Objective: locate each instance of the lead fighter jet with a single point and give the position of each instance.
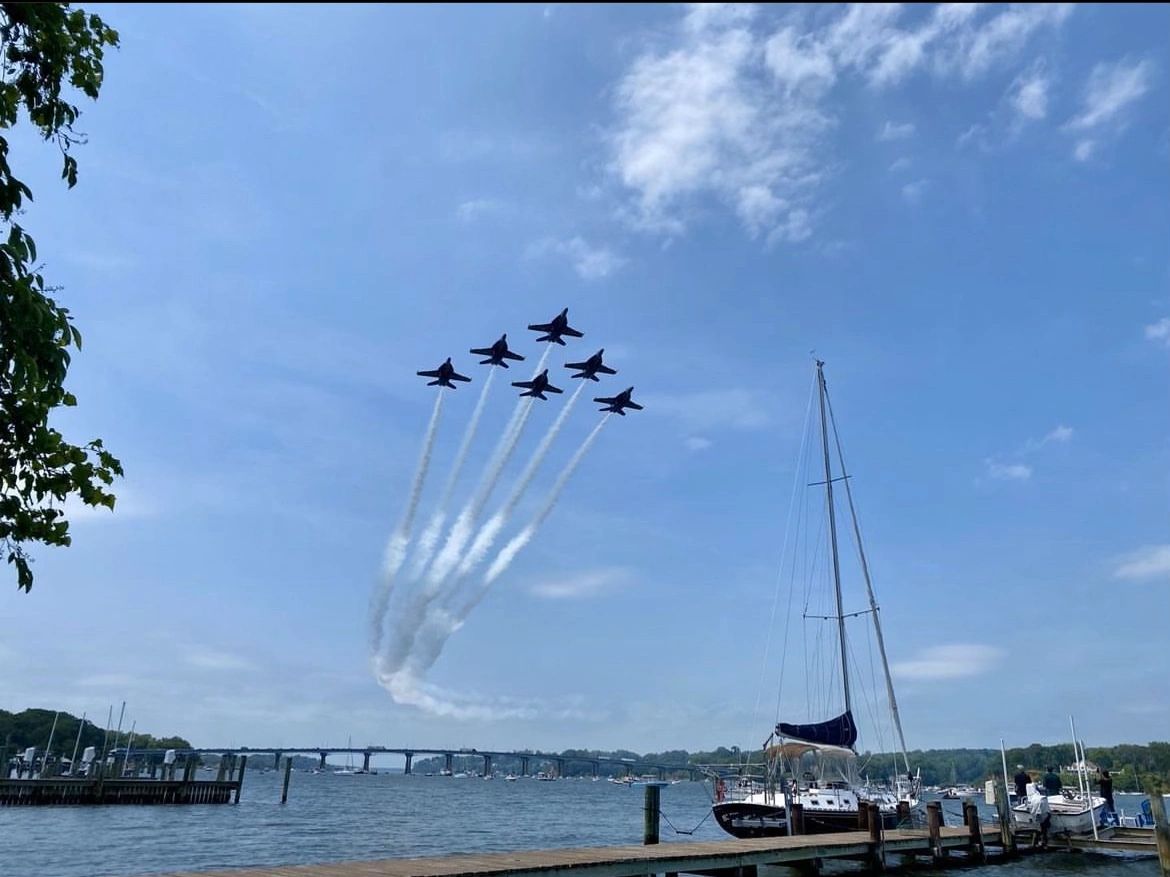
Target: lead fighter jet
(538, 386)
(444, 375)
(590, 368)
(617, 404)
(558, 327)
(497, 353)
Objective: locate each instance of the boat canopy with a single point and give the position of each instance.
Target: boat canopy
(841, 731)
(794, 749)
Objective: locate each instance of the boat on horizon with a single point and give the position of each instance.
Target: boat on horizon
(815, 763)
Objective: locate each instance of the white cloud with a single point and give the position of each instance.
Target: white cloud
(735, 408)
(1028, 95)
(590, 583)
(468, 211)
(590, 262)
(900, 164)
(698, 443)
(1110, 89)
(1150, 562)
(894, 131)
(950, 662)
(912, 192)
(1060, 434)
(1159, 331)
(1008, 471)
(1084, 150)
(733, 110)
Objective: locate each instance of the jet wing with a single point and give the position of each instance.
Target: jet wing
(580, 366)
(430, 374)
(482, 351)
(604, 401)
(528, 385)
(551, 389)
(541, 327)
(508, 354)
(606, 370)
(572, 332)
(634, 405)
(455, 376)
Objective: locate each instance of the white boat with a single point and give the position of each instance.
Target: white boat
(1069, 813)
(815, 764)
(649, 780)
(348, 770)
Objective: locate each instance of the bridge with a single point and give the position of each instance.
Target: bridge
(526, 758)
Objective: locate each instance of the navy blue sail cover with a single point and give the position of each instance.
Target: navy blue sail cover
(840, 731)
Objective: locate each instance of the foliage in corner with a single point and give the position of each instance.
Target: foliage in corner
(48, 51)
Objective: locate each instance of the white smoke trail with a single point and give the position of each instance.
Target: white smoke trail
(487, 534)
(508, 552)
(464, 525)
(430, 536)
(409, 623)
(396, 547)
(439, 623)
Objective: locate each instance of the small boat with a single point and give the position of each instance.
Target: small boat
(1067, 813)
(511, 778)
(649, 780)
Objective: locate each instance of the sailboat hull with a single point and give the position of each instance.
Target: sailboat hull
(744, 819)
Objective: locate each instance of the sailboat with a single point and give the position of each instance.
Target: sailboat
(815, 764)
(348, 770)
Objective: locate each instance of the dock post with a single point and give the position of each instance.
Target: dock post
(974, 829)
(321, 763)
(487, 765)
(903, 814)
(796, 818)
(934, 821)
(877, 856)
(276, 759)
(650, 827)
(863, 817)
(287, 774)
(219, 774)
(1154, 790)
(240, 777)
(1007, 839)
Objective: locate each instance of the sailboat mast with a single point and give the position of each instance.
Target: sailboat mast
(877, 624)
(833, 536)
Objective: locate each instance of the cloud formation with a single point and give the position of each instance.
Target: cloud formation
(1150, 562)
(1008, 471)
(589, 261)
(1159, 331)
(589, 583)
(733, 108)
(950, 662)
(1110, 91)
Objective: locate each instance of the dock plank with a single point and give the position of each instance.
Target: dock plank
(616, 861)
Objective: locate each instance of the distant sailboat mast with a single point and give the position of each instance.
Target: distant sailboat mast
(877, 624)
(833, 537)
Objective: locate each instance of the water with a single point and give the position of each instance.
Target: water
(338, 818)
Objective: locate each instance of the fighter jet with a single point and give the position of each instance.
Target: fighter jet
(497, 353)
(617, 404)
(590, 368)
(444, 375)
(558, 327)
(538, 386)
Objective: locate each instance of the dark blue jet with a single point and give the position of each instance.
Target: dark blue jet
(617, 404)
(538, 386)
(590, 368)
(444, 375)
(558, 327)
(497, 353)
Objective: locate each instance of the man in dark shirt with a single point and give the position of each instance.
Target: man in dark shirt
(1022, 778)
(1052, 783)
(1105, 783)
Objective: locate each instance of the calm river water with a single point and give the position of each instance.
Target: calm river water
(337, 818)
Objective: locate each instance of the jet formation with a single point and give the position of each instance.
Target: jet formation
(552, 332)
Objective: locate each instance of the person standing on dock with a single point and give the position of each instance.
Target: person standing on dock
(1105, 784)
(1022, 778)
(1052, 783)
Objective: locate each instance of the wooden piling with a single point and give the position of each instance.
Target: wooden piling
(287, 774)
(877, 857)
(240, 777)
(863, 817)
(974, 829)
(1007, 838)
(796, 818)
(650, 825)
(934, 822)
(903, 814)
(1154, 789)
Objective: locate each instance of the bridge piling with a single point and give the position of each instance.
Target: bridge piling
(409, 759)
(321, 764)
(287, 775)
(366, 761)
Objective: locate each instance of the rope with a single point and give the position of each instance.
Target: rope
(677, 830)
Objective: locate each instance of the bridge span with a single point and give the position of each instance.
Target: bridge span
(526, 758)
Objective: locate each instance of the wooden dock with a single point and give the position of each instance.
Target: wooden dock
(730, 857)
(79, 790)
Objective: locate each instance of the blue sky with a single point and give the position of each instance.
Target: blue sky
(284, 212)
